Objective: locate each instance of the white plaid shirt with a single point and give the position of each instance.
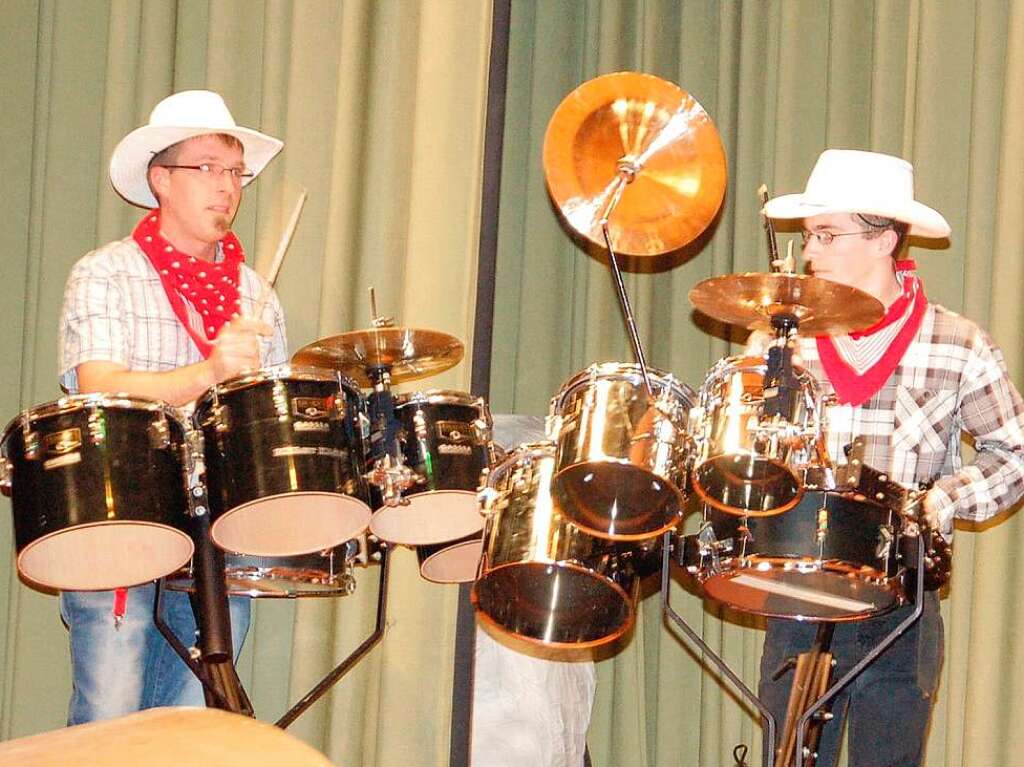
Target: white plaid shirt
(951, 379)
(116, 310)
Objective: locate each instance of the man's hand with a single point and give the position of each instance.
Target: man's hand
(237, 348)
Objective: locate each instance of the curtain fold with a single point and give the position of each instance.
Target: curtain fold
(937, 83)
(381, 106)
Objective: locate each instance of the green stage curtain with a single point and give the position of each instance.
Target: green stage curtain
(939, 83)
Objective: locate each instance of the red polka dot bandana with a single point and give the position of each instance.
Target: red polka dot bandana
(211, 289)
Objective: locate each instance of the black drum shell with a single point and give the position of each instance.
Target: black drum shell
(248, 429)
(123, 471)
(858, 555)
(446, 449)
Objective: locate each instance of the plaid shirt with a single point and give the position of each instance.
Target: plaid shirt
(116, 310)
(952, 379)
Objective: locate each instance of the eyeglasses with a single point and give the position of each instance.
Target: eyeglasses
(825, 238)
(217, 170)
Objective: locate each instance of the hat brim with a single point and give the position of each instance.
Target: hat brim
(129, 164)
(923, 221)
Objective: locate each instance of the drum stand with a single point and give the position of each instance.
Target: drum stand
(212, 659)
(768, 740)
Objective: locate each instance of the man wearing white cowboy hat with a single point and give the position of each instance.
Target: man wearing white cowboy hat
(905, 388)
(163, 314)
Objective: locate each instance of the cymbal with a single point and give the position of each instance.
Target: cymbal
(406, 353)
(634, 125)
(822, 307)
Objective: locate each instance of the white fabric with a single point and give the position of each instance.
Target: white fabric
(528, 711)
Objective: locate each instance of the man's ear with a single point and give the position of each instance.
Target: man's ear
(886, 242)
(159, 179)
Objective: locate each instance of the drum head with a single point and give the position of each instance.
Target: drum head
(104, 555)
(555, 604)
(457, 563)
(291, 523)
(802, 591)
(428, 518)
(617, 501)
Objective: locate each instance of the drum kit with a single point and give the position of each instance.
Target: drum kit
(301, 465)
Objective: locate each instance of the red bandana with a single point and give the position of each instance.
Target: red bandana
(856, 389)
(211, 288)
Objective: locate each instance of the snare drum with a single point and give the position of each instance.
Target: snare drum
(98, 487)
(621, 454)
(542, 579)
(745, 464)
(321, 574)
(832, 558)
(446, 440)
(451, 562)
(283, 450)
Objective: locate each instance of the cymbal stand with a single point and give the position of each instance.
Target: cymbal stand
(355, 656)
(868, 659)
(389, 473)
(627, 170)
(768, 739)
(212, 659)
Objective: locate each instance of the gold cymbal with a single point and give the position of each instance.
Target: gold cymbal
(822, 307)
(406, 353)
(640, 127)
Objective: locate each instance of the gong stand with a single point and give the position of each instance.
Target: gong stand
(627, 172)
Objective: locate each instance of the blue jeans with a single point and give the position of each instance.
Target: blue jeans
(888, 705)
(118, 671)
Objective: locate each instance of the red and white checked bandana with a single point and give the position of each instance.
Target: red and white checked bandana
(211, 288)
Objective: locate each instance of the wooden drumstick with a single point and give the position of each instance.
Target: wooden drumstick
(275, 265)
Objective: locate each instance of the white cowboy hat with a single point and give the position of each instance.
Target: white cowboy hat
(853, 181)
(176, 118)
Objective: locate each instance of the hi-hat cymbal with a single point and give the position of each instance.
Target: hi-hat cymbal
(822, 307)
(639, 126)
(407, 354)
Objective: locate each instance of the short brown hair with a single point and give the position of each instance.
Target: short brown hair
(878, 224)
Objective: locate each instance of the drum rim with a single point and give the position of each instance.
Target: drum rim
(443, 397)
(538, 449)
(736, 362)
(574, 566)
(282, 372)
(629, 371)
(70, 403)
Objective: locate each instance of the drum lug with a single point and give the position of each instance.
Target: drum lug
(6, 469)
(482, 431)
(822, 525)
(884, 546)
(419, 420)
(159, 434)
(280, 398)
(221, 419)
(32, 447)
(97, 427)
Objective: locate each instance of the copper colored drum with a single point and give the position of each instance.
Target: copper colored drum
(542, 579)
(620, 465)
(98, 488)
(745, 464)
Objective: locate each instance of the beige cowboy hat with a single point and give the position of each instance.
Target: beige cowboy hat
(176, 118)
(854, 181)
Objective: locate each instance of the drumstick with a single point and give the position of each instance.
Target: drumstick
(282, 246)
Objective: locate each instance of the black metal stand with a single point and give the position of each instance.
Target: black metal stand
(212, 660)
(768, 740)
(342, 668)
(768, 749)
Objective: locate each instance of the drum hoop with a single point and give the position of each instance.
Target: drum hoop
(97, 400)
(442, 397)
(278, 373)
(623, 371)
(760, 365)
(543, 449)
